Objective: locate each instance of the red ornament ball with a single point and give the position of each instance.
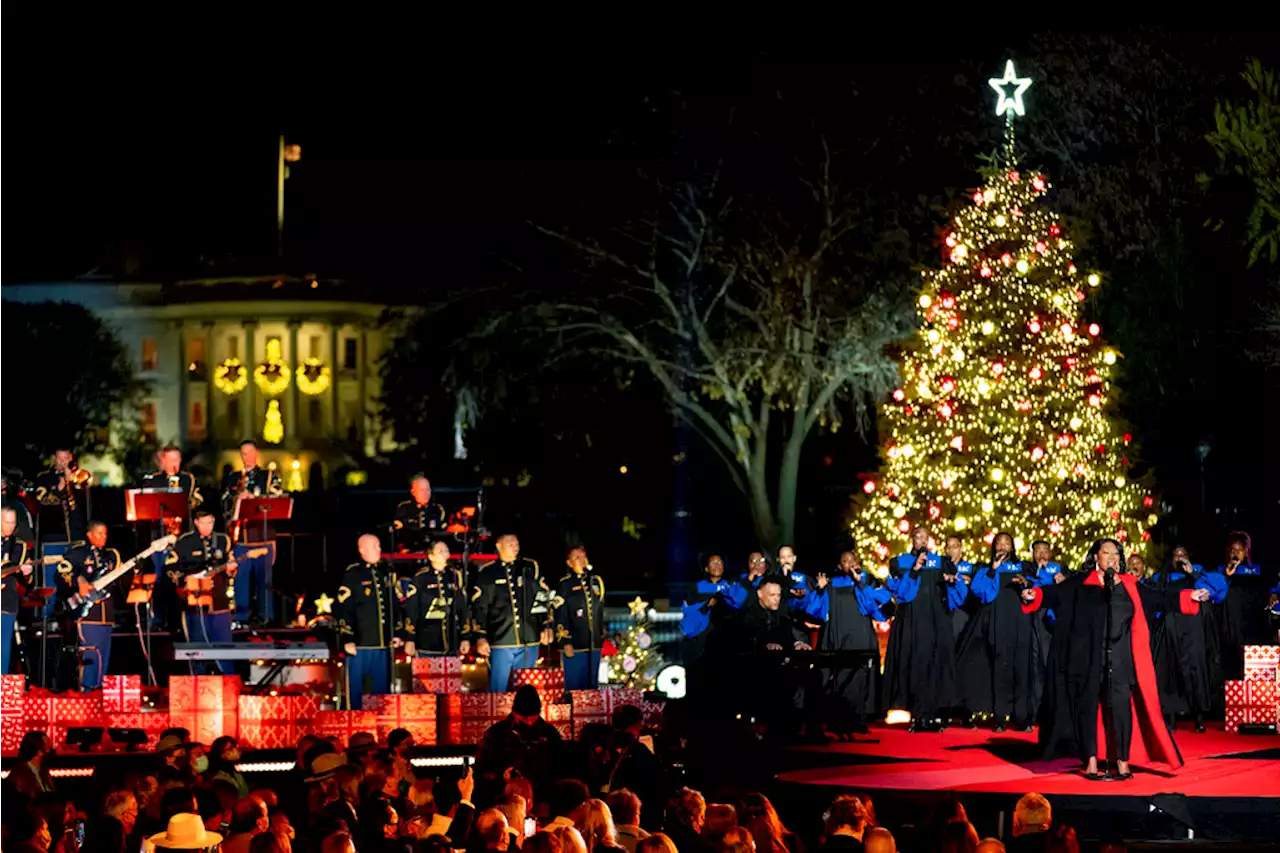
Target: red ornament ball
(869, 486)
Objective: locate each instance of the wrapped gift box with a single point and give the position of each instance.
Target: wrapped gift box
(343, 724)
(437, 675)
(54, 714)
(122, 694)
(1251, 693)
(412, 711)
(151, 723)
(12, 713)
(597, 706)
(208, 706)
(653, 713)
(565, 728)
(548, 682)
(1261, 663)
(273, 722)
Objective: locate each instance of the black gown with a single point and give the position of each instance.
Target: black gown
(1184, 650)
(1242, 620)
(1000, 654)
(1073, 701)
(920, 665)
(850, 691)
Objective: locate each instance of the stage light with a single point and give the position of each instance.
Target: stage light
(897, 718)
(672, 682)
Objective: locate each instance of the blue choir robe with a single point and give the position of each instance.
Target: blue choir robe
(1184, 646)
(920, 667)
(1241, 617)
(1044, 577)
(962, 614)
(696, 611)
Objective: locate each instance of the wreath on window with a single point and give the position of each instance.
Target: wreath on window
(230, 377)
(314, 377)
(272, 375)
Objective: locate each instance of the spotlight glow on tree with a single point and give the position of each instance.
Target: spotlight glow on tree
(1004, 419)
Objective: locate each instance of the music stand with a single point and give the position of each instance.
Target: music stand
(154, 505)
(267, 508)
(277, 508)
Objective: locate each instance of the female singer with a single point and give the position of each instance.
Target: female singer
(1184, 647)
(852, 604)
(920, 663)
(1100, 677)
(999, 665)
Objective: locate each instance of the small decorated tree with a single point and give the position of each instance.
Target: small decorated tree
(636, 661)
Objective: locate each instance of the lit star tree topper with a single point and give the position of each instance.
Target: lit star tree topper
(1005, 416)
(1007, 104)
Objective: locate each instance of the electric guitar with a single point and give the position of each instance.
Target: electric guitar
(202, 581)
(80, 605)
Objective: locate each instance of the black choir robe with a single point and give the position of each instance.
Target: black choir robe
(1000, 655)
(920, 664)
(852, 609)
(1184, 646)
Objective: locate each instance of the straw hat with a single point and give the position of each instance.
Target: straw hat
(326, 765)
(186, 832)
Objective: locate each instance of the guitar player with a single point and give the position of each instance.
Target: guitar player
(15, 556)
(208, 598)
(79, 569)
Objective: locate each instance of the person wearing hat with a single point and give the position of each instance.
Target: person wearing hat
(523, 741)
(361, 747)
(368, 622)
(186, 832)
(174, 751)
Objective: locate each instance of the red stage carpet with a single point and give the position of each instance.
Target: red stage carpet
(980, 761)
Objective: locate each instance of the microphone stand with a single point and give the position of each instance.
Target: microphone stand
(1108, 713)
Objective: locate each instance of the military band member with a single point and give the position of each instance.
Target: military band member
(580, 621)
(435, 612)
(167, 601)
(504, 621)
(16, 566)
(80, 568)
(368, 622)
(63, 492)
(207, 602)
(418, 520)
(15, 498)
(253, 591)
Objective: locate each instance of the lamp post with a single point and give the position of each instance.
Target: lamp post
(288, 154)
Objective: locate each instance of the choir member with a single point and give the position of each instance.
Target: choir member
(853, 603)
(1184, 646)
(999, 658)
(1100, 678)
(955, 554)
(1240, 616)
(805, 596)
(920, 671)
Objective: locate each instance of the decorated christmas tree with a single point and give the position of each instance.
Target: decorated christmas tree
(635, 660)
(1005, 415)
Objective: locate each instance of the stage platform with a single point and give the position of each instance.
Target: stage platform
(1228, 789)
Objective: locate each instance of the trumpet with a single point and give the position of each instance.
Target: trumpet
(74, 477)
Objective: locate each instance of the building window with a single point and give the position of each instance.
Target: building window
(197, 429)
(349, 353)
(233, 346)
(149, 432)
(150, 354)
(352, 416)
(233, 415)
(196, 366)
(315, 414)
(315, 346)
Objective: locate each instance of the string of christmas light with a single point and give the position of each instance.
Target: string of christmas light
(1005, 418)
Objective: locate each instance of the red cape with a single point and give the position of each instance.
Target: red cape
(1147, 718)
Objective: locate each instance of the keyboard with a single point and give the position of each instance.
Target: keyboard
(250, 651)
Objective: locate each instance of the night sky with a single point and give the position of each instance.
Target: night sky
(423, 165)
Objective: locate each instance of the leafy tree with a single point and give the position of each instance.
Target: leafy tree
(1247, 138)
(84, 396)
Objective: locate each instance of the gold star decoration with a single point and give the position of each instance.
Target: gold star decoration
(324, 604)
(639, 607)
